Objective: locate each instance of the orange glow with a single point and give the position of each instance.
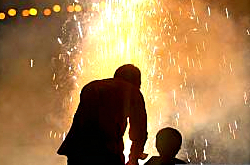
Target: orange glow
(2, 15)
(56, 8)
(70, 8)
(102, 5)
(12, 12)
(25, 13)
(78, 8)
(47, 12)
(33, 11)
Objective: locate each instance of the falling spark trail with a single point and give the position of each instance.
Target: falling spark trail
(204, 153)
(227, 13)
(235, 123)
(31, 63)
(209, 11)
(59, 40)
(80, 29)
(219, 129)
(245, 98)
(206, 143)
(248, 32)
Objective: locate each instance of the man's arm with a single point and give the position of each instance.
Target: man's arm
(138, 128)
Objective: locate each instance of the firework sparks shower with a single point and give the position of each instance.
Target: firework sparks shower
(193, 72)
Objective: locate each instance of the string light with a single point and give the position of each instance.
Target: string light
(46, 12)
(56, 8)
(33, 11)
(78, 8)
(25, 13)
(2, 16)
(12, 12)
(70, 8)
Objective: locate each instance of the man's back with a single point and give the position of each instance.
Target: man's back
(101, 118)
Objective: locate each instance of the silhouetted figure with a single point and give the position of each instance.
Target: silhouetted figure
(168, 144)
(96, 134)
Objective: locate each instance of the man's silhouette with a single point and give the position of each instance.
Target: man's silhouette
(96, 134)
(168, 144)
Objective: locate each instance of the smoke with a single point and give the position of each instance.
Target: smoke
(202, 93)
(27, 98)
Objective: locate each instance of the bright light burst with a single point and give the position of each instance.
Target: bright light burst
(191, 76)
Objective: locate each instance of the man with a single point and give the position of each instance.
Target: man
(96, 135)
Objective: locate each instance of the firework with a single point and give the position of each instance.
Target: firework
(188, 61)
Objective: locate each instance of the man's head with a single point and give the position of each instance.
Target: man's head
(168, 142)
(129, 73)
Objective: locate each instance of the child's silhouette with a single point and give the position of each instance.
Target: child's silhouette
(168, 144)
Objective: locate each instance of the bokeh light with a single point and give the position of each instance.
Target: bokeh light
(78, 8)
(70, 8)
(33, 11)
(56, 8)
(2, 16)
(47, 12)
(25, 13)
(12, 12)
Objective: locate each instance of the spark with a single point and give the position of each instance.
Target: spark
(196, 154)
(50, 134)
(55, 135)
(245, 97)
(230, 66)
(206, 26)
(233, 132)
(206, 144)
(193, 93)
(59, 40)
(80, 29)
(219, 129)
(209, 11)
(204, 153)
(54, 77)
(177, 121)
(64, 136)
(193, 7)
(220, 102)
(248, 32)
(31, 63)
(230, 128)
(190, 111)
(188, 157)
(227, 13)
(235, 123)
(77, 85)
(174, 96)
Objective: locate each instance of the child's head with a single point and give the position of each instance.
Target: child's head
(168, 142)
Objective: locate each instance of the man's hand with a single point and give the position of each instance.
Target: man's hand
(132, 163)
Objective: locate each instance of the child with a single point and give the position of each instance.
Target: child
(168, 144)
